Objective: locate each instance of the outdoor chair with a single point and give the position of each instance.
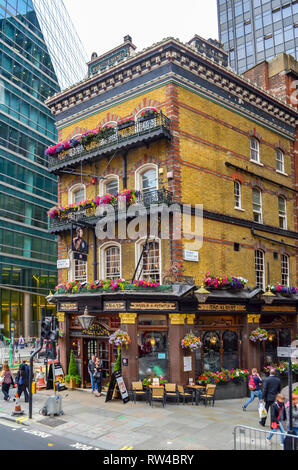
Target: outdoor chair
(171, 392)
(157, 394)
(209, 396)
(185, 395)
(137, 390)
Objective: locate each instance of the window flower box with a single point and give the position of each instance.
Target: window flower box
(212, 281)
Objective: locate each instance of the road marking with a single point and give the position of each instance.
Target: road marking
(127, 448)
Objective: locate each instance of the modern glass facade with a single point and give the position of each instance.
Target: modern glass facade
(34, 64)
(257, 30)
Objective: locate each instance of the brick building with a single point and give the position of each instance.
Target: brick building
(175, 124)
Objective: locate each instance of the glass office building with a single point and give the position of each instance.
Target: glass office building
(40, 54)
(257, 30)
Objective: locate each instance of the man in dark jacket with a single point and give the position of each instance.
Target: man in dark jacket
(22, 381)
(272, 387)
(91, 370)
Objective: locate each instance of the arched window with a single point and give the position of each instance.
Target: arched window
(77, 194)
(254, 150)
(260, 269)
(109, 185)
(110, 261)
(237, 195)
(280, 161)
(285, 271)
(282, 212)
(257, 205)
(146, 119)
(150, 265)
(147, 183)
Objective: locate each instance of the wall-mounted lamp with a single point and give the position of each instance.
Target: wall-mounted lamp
(86, 320)
(202, 294)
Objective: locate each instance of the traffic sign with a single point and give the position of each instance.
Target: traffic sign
(287, 352)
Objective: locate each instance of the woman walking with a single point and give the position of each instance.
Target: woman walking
(98, 375)
(7, 381)
(278, 414)
(254, 386)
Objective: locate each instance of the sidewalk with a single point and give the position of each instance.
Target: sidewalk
(112, 426)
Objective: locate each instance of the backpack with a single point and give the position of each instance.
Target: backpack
(251, 383)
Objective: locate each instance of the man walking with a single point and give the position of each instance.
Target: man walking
(272, 387)
(91, 369)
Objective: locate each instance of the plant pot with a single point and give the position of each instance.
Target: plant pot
(72, 384)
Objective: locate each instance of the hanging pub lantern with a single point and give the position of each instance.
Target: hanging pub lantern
(202, 295)
(86, 320)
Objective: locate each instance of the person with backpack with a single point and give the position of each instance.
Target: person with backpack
(7, 381)
(272, 386)
(254, 386)
(278, 415)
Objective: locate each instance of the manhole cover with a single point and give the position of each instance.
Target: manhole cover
(53, 422)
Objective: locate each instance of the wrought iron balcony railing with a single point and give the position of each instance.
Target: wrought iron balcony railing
(125, 136)
(89, 213)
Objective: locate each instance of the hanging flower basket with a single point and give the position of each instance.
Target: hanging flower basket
(191, 342)
(120, 338)
(258, 335)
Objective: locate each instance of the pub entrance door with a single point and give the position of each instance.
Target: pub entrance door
(101, 348)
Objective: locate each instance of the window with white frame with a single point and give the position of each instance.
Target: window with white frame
(111, 262)
(280, 161)
(77, 194)
(254, 150)
(285, 271)
(110, 185)
(282, 212)
(260, 269)
(150, 266)
(80, 271)
(147, 183)
(257, 205)
(237, 194)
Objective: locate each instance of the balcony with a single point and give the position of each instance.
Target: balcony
(88, 214)
(124, 137)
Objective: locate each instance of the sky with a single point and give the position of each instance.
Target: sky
(102, 25)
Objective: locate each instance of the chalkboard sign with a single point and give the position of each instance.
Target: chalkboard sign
(117, 381)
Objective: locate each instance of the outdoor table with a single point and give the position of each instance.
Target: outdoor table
(198, 389)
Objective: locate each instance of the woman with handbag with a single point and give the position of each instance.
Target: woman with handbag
(7, 381)
(98, 375)
(278, 415)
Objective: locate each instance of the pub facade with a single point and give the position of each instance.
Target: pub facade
(173, 126)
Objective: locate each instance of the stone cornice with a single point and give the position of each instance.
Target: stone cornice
(171, 50)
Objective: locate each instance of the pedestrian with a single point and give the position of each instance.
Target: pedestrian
(7, 380)
(91, 369)
(98, 375)
(272, 386)
(21, 342)
(22, 381)
(254, 385)
(278, 415)
(294, 414)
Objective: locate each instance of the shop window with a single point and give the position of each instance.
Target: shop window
(153, 354)
(230, 358)
(211, 351)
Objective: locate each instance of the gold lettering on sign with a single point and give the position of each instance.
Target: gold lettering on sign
(225, 307)
(177, 318)
(152, 306)
(269, 308)
(128, 318)
(69, 307)
(190, 318)
(253, 318)
(114, 306)
(61, 316)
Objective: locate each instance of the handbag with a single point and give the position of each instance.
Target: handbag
(262, 411)
(274, 425)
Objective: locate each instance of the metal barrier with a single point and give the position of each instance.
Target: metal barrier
(246, 438)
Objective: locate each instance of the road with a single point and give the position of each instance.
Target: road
(18, 437)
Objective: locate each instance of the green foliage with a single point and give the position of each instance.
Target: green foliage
(73, 370)
(117, 366)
